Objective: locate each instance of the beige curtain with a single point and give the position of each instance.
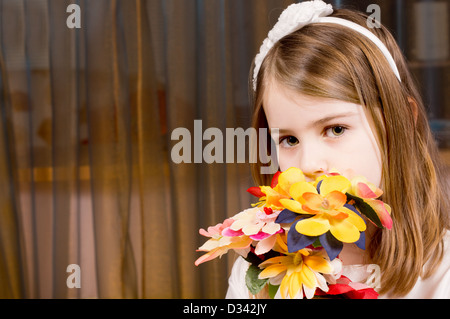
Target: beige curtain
(86, 175)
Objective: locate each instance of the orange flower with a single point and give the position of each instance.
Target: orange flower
(275, 193)
(328, 207)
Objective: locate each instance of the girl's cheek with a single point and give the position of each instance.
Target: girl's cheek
(286, 159)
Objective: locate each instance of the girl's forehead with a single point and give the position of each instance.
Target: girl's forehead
(282, 103)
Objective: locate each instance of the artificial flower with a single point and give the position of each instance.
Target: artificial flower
(219, 244)
(280, 186)
(369, 193)
(216, 231)
(294, 234)
(327, 202)
(299, 272)
(347, 289)
(258, 223)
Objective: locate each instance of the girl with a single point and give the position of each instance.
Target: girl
(344, 100)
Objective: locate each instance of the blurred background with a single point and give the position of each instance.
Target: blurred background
(86, 175)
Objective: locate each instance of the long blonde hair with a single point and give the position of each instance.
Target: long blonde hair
(331, 61)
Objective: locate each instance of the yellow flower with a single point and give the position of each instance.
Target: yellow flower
(281, 190)
(328, 207)
(299, 272)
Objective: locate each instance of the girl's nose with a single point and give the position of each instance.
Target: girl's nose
(313, 162)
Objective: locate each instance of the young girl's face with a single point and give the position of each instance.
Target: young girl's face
(320, 135)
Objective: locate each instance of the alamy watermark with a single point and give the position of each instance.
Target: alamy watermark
(74, 279)
(74, 19)
(373, 20)
(235, 146)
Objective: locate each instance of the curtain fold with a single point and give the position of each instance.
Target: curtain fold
(11, 258)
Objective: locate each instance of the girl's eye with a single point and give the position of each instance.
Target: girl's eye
(335, 131)
(289, 141)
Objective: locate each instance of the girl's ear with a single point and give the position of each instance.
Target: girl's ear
(414, 108)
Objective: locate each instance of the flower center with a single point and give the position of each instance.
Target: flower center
(298, 259)
(325, 204)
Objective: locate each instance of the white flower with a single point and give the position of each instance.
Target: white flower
(253, 220)
(293, 18)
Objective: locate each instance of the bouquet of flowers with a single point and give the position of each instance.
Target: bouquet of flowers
(293, 235)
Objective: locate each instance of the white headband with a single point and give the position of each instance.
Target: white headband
(297, 15)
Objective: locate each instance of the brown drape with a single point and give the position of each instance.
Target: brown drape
(85, 140)
(86, 175)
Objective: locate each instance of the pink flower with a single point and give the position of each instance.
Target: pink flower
(369, 193)
(257, 223)
(220, 243)
(254, 221)
(216, 231)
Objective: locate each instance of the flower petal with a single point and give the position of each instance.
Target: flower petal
(319, 264)
(335, 199)
(298, 189)
(260, 236)
(297, 241)
(334, 183)
(228, 232)
(364, 191)
(265, 245)
(344, 231)
(355, 219)
(313, 202)
(314, 226)
(361, 242)
(289, 177)
(272, 197)
(284, 286)
(332, 246)
(272, 271)
(211, 244)
(252, 229)
(274, 181)
(307, 277)
(309, 292)
(286, 216)
(274, 260)
(321, 282)
(239, 243)
(210, 255)
(294, 284)
(255, 191)
(382, 210)
(292, 205)
(271, 228)
(362, 188)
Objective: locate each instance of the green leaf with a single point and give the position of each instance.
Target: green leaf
(317, 243)
(254, 284)
(273, 290)
(365, 209)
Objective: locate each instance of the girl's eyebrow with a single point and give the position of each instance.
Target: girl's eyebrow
(332, 117)
(319, 122)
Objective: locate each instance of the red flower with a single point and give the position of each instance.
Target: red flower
(345, 288)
